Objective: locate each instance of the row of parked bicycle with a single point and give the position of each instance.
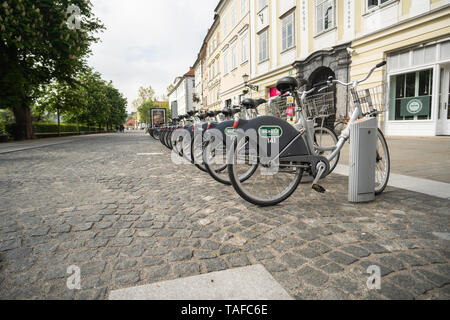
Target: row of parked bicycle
(265, 157)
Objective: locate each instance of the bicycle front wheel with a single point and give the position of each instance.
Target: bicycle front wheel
(383, 164)
(197, 154)
(325, 141)
(266, 186)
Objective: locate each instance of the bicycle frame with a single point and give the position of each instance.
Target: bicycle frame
(308, 124)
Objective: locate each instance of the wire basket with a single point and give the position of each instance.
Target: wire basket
(320, 105)
(371, 99)
(277, 106)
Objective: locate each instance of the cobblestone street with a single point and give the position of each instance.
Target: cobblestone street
(126, 215)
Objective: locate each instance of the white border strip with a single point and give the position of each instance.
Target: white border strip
(425, 186)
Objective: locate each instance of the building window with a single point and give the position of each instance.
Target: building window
(225, 62)
(263, 46)
(324, 15)
(411, 95)
(287, 32)
(244, 7)
(233, 15)
(224, 26)
(233, 56)
(217, 67)
(244, 48)
(371, 4)
(262, 4)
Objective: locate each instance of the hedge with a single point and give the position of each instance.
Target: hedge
(2, 127)
(53, 128)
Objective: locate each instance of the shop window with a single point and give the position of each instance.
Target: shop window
(411, 95)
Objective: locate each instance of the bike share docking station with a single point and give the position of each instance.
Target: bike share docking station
(362, 160)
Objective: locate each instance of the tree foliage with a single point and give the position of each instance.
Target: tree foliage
(88, 99)
(144, 95)
(145, 110)
(37, 47)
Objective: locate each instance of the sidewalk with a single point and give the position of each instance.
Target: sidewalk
(419, 157)
(16, 146)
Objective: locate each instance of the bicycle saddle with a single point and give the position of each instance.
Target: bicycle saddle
(287, 84)
(226, 112)
(202, 116)
(210, 114)
(191, 113)
(249, 103)
(235, 109)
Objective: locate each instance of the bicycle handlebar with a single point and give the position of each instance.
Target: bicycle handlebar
(330, 80)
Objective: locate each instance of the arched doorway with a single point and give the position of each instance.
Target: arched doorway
(321, 64)
(322, 74)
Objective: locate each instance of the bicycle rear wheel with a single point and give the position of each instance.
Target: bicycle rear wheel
(263, 188)
(197, 153)
(383, 164)
(339, 126)
(214, 159)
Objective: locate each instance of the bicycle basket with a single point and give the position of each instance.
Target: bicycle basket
(320, 105)
(276, 107)
(371, 99)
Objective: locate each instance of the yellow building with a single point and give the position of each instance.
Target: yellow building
(414, 38)
(212, 66)
(235, 49)
(315, 39)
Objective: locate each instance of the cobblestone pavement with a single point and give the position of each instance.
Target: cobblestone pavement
(130, 220)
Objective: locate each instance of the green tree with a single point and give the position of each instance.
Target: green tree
(88, 99)
(36, 47)
(117, 114)
(144, 95)
(144, 111)
(55, 99)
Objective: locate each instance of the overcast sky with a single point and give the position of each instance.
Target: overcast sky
(149, 42)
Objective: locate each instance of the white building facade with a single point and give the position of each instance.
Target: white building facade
(181, 98)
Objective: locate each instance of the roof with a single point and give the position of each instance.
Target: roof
(179, 80)
(190, 73)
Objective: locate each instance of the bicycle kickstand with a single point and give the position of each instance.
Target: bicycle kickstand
(321, 167)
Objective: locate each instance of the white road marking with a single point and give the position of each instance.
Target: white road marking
(247, 283)
(150, 154)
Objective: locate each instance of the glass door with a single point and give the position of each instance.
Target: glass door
(443, 127)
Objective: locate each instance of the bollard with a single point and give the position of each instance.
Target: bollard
(363, 146)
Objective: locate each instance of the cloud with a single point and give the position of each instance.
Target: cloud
(149, 42)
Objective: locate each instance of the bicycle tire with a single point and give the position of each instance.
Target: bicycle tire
(198, 165)
(224, 180)
(381, 186)
(335, 141)
(241, 191)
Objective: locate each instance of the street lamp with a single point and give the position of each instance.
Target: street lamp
(245, 77)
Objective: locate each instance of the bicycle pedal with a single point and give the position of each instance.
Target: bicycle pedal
(318, 188)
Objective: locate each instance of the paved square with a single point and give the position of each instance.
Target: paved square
(129, 220)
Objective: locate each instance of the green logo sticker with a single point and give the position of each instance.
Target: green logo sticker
(270, 132)
(414, 106)
(231, 132)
